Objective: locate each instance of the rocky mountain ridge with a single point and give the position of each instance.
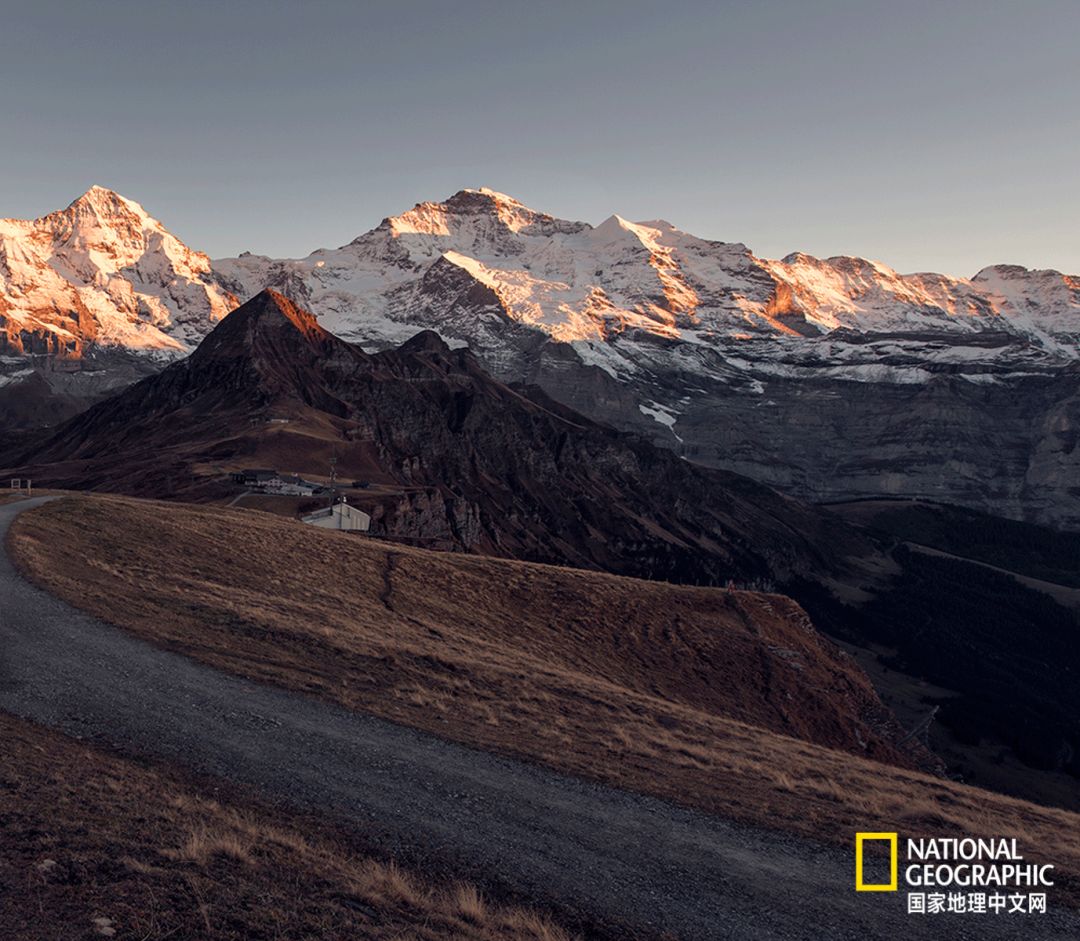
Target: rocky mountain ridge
(830, 379)
(585, 285)
(102, 271)
(91, 298)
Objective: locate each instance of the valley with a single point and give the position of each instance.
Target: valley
(539, 472)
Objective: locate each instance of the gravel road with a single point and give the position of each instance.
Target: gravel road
(583, 846)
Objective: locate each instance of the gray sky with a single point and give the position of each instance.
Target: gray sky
(930, 135)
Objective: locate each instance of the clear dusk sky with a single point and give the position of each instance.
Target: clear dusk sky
(931, 135)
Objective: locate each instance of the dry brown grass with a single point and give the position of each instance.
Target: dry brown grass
(722, 701)
(205, 843)
(469, 903)
(87, 835)
(455, 644)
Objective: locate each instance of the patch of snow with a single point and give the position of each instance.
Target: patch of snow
(663, 414)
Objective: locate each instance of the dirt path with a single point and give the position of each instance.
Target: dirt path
(551, 837)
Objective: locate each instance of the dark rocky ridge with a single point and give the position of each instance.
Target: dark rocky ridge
(512, 472)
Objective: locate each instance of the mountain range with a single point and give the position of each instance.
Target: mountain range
(829, 379)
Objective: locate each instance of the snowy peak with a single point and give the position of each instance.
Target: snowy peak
(103, 270)
(1045, 300)
(98, 220)
(472, 214)
(102, 203)
(105, 222)
(489, 203)
(1008, 279)
(616, 229)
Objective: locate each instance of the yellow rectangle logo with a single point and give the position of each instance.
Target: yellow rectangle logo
(890, 886)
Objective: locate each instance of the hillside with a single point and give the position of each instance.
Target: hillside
(675, 692)
(562, 664)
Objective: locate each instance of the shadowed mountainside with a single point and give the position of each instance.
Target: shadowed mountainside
(501, 470)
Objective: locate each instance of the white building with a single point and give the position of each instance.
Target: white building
(339, 516)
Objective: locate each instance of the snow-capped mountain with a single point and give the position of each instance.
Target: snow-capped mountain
(91, 298)
(102, 271)
(830, 378)
(587, 285)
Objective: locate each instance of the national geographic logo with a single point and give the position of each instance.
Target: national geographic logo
(861, 885)
(970, 875)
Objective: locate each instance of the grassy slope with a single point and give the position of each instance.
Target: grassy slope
(488, 651)
(94, 842)
(675, 691)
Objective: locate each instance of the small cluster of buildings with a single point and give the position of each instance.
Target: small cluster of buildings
(339, 515)
(272, 481)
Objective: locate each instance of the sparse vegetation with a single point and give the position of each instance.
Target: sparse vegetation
(92, 841)
(557, 664)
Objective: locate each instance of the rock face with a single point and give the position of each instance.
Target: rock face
(487, 467)
(830, 378)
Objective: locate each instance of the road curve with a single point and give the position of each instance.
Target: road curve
(587, 847)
